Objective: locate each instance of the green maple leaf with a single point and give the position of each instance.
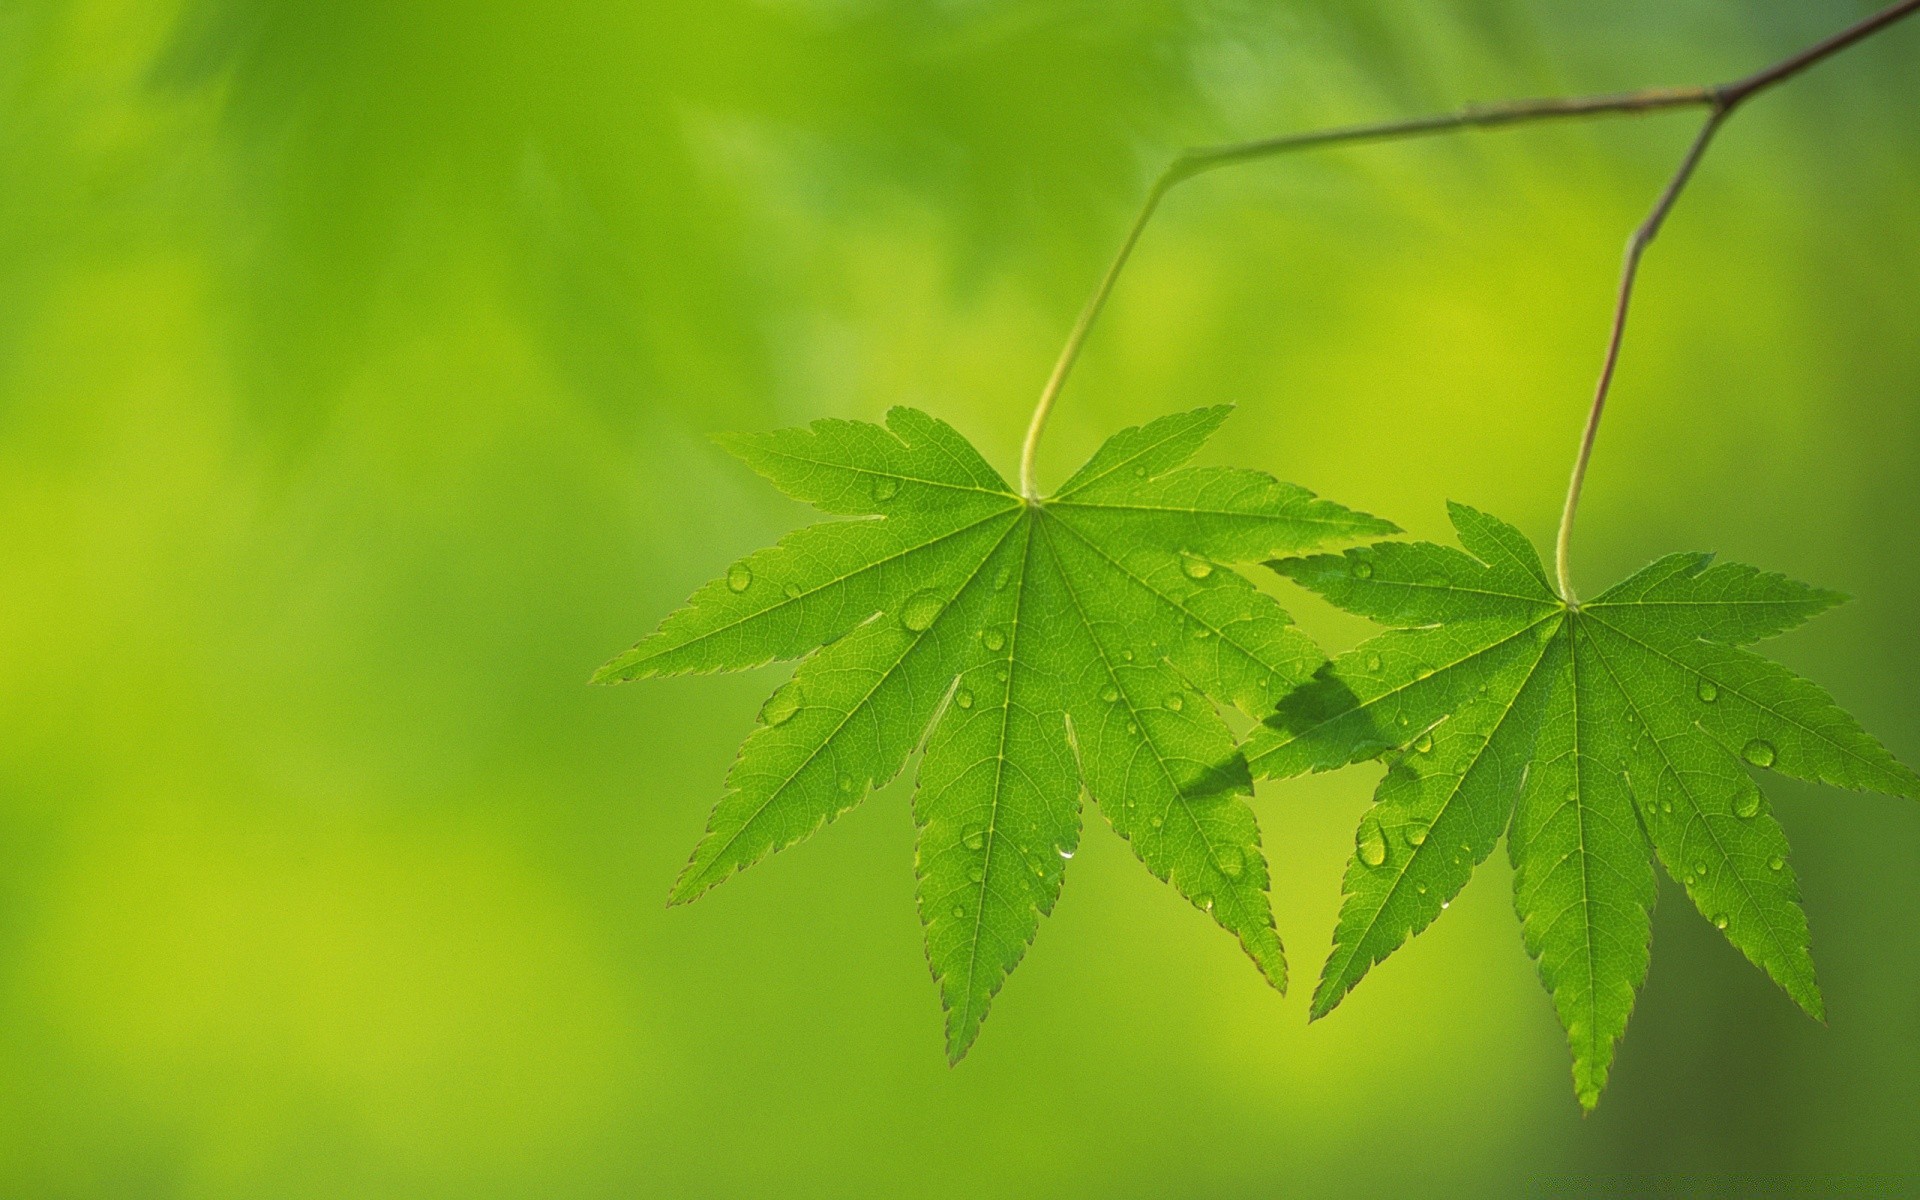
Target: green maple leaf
(1036, 648)
(1595, 737)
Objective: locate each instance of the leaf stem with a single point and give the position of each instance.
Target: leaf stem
(1721, 99)
(1629, 270)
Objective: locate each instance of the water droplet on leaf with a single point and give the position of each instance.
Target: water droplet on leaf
(739, 577)
(963, 698)
(1415, 835)
(1109, 693)
(921, 608)
(1176, 701)
(1373, 662)
(885, 488)
(975, 840)
(784, 702)
(1707, 692)
(1196, 568)
(1361, 569)
(993, 640)
(1423, 744)
(1370, 843)
(1759, 752)
(1746, 805)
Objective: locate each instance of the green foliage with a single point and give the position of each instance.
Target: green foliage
(1591, 735)
(1035, 649)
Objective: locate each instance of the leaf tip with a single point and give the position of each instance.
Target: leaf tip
(694, 882)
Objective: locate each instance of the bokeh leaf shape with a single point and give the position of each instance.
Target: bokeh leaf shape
(1033, 650)
(1595, 737)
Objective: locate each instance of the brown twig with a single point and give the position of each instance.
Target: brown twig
(1720, 100)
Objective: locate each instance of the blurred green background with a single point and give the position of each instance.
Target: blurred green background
(357, 359)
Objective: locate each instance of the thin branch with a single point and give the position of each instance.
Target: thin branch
(1721, 99)
(1201, 159)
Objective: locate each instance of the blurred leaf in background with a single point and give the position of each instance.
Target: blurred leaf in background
(356, 362)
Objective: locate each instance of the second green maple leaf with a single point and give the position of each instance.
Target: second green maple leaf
(1594, 737)
(1038, 648)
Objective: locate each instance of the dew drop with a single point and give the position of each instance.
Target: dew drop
(1127, 654)
(1423, 744)
(1401, 720)
(1700, 869)
(1156, 822)
(1109, 693)
(1720, 921)
(1002, 675)
(920, 609)
(1001, 580)
(976, 874)
(1446, 904)
(1361, 569)
(1066, 851)
(1196, 568)
(1133, 727)
(1370, 844)
(784, 702)
(1759, 752)
(1176, 701)
(1201, 633)
(885, 488)
(1666, 806)
(959, 911)
(1373, 662)
(1746, 805)
(1415, 835)
(963, 698)
(792, 591)
(1707, 692)
(1776, 863)
(975, 840)
(739, 577)
(1140, 472)
(993, 640)
(1228, 859)
(1204, 901)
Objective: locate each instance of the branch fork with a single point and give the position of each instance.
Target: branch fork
(1719, 100)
